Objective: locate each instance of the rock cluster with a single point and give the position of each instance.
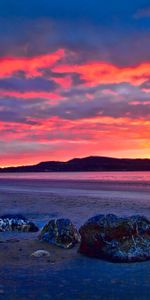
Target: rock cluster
(60, 232)
(119, 239)
(16, 223)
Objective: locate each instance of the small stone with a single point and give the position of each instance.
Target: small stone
(41, 253)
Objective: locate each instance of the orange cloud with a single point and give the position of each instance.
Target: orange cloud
(31, 95)
(30, 65)
(65, 82)
(94, 73)
(104, 73)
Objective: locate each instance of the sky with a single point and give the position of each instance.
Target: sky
(74, 80)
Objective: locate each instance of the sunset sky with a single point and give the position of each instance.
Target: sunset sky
(74, 79)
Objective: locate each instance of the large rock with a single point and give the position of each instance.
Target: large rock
(60, 232)
(16, 223)
(116, 238)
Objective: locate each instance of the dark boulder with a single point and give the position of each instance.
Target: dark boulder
(60, 232)
(119, 239)
(16, 223)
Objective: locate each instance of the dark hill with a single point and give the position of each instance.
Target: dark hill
(92, 163)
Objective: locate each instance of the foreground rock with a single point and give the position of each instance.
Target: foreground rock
(60, 232)
(16, 223)
(116, 239)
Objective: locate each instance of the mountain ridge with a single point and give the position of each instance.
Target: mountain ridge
(90, 163)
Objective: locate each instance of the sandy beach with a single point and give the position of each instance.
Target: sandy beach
(67, 274)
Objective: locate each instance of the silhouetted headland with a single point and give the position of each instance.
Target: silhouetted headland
(91, 163)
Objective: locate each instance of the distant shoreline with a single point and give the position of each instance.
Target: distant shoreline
(86, 164)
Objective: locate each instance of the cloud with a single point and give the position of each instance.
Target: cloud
(23, 85)
(98, 72)
(30, 66)
(78, 103)
(56, 67)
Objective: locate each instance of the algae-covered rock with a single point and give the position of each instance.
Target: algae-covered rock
(60, 232)
(119, 239)
(16, 223)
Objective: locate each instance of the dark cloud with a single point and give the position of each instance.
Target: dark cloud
(75, 77)
(12, 116)
(23, 84)
(99, 107)
(146, 84)
(20, 110)
(126, 101)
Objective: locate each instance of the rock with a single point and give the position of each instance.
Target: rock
(16, 223)
(60, 232)
(41, 253)
(119, 239)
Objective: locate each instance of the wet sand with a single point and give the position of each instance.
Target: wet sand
(15, 251)
(67, 274)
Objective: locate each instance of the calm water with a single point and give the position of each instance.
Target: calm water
(92, 176)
